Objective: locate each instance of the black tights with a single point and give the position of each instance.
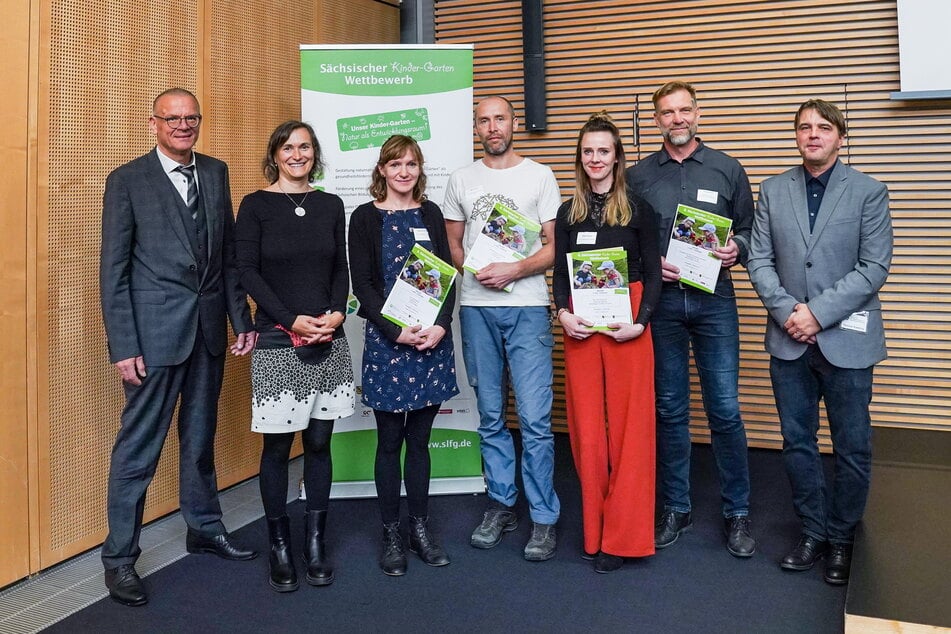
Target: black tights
(393, 428)
(318, 468)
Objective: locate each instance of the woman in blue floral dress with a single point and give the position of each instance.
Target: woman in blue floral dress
(407, 371)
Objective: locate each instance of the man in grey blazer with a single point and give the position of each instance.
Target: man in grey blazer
(821, 248)
(168, 284)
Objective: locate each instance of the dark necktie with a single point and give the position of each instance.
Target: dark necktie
(188, 171)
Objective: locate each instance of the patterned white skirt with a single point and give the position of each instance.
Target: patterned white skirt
(287, 393)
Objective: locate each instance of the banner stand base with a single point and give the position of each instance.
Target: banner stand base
(437, 486)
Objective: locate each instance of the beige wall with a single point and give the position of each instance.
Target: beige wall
(17, 227)
(78, 82)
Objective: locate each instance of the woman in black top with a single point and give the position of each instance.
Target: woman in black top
(609, 373)
(407, 371)
(291, 256)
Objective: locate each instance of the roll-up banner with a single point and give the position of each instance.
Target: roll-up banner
(356, 97)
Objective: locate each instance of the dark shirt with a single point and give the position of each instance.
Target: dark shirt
(366, 263)
(815, 189)
(664, 183)
(638, 238)
(292, 265)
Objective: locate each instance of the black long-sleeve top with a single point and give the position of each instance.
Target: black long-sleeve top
(638, 238)
(292, 265)
(366, 263)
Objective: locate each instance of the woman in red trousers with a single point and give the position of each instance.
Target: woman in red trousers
(610, 372)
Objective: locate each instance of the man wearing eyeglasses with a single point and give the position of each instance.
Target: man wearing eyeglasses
(168, 283)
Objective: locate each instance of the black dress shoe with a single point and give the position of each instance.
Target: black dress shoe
(218, 545)
(739, 541)
(838, 564)
(807, 552)
(605, 563)
(125, 586)
(669, 527)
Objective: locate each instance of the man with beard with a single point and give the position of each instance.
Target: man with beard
(500, 327)
(686, 171)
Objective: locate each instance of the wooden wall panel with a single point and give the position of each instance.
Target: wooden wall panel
(252, 83)
(99, 65)
(15, 464)
(99, 76)
(753, 63)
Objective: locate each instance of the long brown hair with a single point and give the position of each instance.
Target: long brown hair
(617, 209)
(395, 147)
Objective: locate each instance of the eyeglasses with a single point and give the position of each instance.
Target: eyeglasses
(192, 121)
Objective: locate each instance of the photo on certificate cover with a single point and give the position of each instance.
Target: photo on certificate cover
(700, 228)
(599, 286)
(506, 236)
(421, 290)
(505, 226)
(694, 237)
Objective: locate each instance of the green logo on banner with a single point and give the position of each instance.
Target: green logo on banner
(389, 72)
(356, 133)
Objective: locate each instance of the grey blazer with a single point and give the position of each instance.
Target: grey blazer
(154, 293)
(836, 270)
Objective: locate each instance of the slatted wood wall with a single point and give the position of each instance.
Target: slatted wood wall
(753, 63)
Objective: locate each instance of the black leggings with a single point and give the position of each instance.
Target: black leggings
(318, 468)
(393, 428)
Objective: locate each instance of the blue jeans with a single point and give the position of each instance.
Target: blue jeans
(685, 318)
(492, 336)
(798, 385)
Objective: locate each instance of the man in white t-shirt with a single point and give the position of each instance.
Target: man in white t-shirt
(500, 327)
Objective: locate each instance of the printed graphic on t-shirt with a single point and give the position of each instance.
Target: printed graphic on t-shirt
(486, 202)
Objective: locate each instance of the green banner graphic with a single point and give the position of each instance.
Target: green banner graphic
(395, 71)
(453, 453)
(372, 130)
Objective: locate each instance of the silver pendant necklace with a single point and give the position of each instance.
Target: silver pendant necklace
(298, 208)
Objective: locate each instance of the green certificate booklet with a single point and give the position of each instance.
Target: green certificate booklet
(506, 236)
(696, 234)
(419, 293)
(599, 291)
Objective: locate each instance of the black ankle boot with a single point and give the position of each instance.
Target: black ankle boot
(393, 559)
(422, 543)
(283, 575)
(319, 570)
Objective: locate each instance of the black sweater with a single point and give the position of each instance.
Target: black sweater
(292, 265)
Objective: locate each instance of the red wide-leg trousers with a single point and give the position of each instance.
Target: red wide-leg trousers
(610, 397)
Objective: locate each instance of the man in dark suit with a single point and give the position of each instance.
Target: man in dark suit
(821, 248)
(168, 284)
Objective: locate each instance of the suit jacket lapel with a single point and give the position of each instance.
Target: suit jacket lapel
(830, 198)
(209, 193)
(797, 192)
(171, 200)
